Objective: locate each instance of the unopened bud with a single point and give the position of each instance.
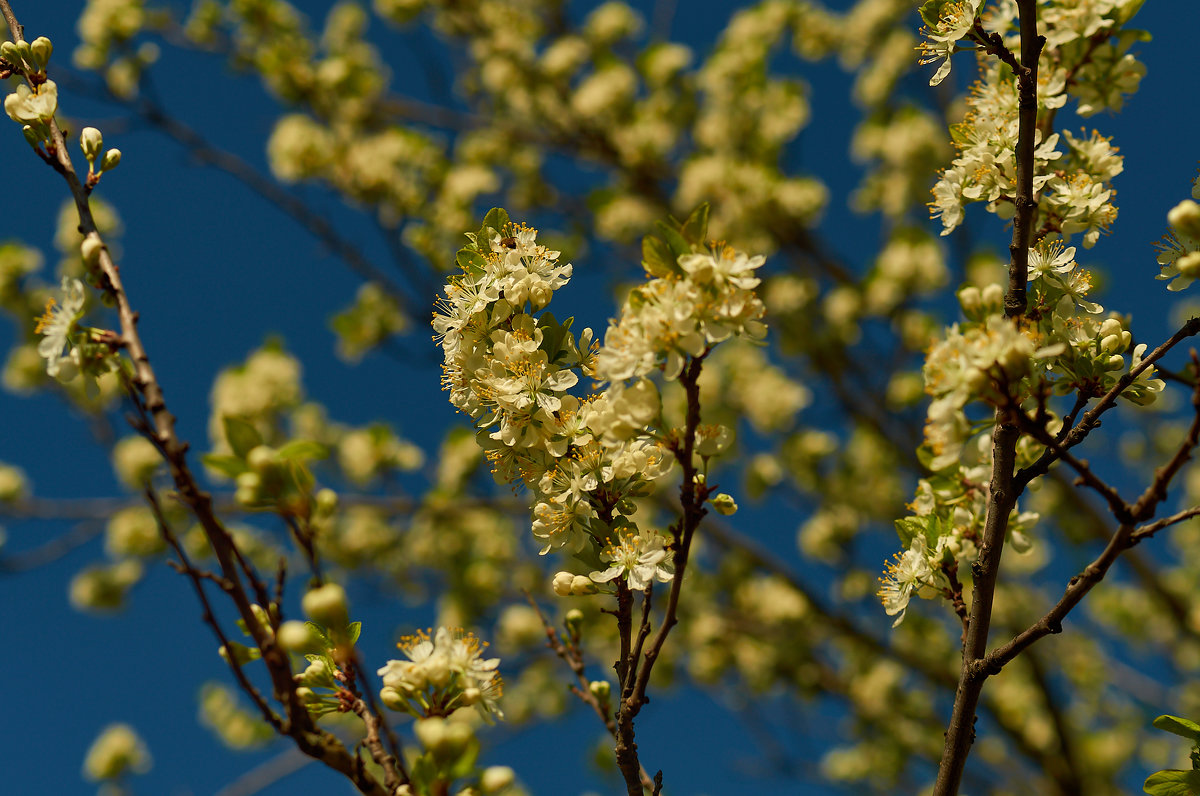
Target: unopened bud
(326, 501)
(496, 778)
(1185, 218)
(296, 636)
(992, 296)
(326, 605)
(724, 504)
(970, 299)
(111, 158)
(562, 583)
(431, 733)
(582, 584)
(32, 136)
(600, 689)
(1189, 264)
(89, 250)
(39, 51)
(260, 458)
(91, 141)
(8, 51)
(573, 620)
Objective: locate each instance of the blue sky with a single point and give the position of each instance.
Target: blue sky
(215, 269)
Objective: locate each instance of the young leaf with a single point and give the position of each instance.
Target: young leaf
(303, 450)
(656, 257)
(1185, 728)
(242, 435)
(226, 465)
(1173, 783)
(695, 229)
(496, 219)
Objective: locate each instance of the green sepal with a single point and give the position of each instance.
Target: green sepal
(241, 434)
(1185, 728)
(695, 229)
(303, 450)
(1173, 783)
(353, 631)
(225, 464)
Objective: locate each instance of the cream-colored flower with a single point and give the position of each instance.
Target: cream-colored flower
(58, 323)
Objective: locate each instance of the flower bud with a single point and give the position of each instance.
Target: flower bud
(240, 652)
(1189, 264)
(992, 297)
(39, 51)
(496, 778)
(1115, 362)
(1185, 218)
(970, 299)
(470, 696)
(90, 248)
(111, 158)
(306, 695)
(601, 689)
(724, 504)
(393, 699)
(582, 584)
(261, 458)
(91, 142)
(326, 502)
(431, 733)
(573, 620)
(32, 136)
(562, 583)
(8, 51)
(326, 605)
(296, 636)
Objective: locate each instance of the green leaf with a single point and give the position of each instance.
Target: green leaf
(931, 12)
(679, 246)
(469, 260)
(1185, 728)
(320, 633)
(656, 257)
(353, 631)
(241, 434)
(907, 528)
(1173, 783)
(695, 229)
(496, 218)
(302, 477)
(552, 334)
(229, 466)
(303, 450)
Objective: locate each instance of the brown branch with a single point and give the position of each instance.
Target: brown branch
(572, 655)
(197, 577)
(1126, 536)
(148, 394)
(1003, 489)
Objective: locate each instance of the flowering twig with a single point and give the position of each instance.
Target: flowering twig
(1002, 494)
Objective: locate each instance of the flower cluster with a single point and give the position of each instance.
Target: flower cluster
(511, 369)
(1075, 193)
(1063, 345)
(445, 671)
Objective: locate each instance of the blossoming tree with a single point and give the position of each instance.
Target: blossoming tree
(749, 376)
